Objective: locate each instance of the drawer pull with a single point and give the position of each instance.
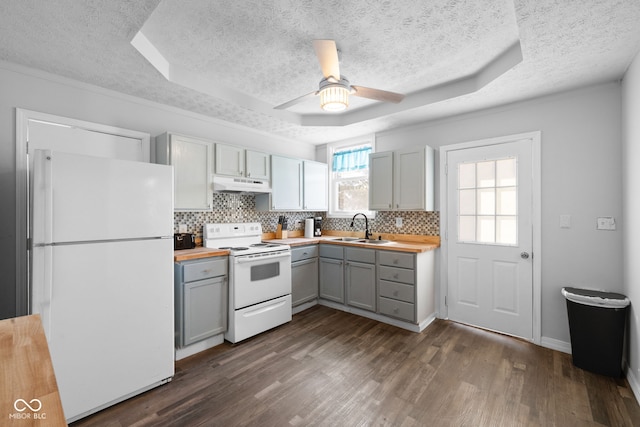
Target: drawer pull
(396, 310)
(395, 276)
(395, 293)
(395, 261)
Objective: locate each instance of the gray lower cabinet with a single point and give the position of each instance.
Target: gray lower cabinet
(396, 285)
(360, 278)
(304, 274)
(201, 289)
(331, 266)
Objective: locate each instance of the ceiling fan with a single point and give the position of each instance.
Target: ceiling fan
(334, 89)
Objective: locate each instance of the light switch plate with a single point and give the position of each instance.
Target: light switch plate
(565, 221)
(182, 228)
(606, 223)
(399, 222)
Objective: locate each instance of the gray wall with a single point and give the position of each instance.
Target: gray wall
(32, 90)
(581, 176)
(631, 174)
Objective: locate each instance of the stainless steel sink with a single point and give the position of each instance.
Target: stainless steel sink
(374, 241)
(347, 239)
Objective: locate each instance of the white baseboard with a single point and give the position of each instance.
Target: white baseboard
(555, 344)
(633, 382)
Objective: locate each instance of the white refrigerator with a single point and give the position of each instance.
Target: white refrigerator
(102, 275)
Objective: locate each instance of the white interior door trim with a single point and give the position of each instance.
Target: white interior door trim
(23, 117)
(535, 138)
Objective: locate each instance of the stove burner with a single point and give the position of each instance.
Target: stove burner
(236, 248)
(265, 245)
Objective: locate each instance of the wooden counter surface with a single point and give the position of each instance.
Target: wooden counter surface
(28, 390)
(197, 253)
(398, 242)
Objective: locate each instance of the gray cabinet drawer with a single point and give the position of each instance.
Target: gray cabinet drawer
(398, 309)
(331, 251)
(397, 274)
(198, 270)
(396, 259)
(397, 291)
(361, 255)
(304, 252)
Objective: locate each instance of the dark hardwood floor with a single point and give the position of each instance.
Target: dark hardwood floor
(330, 368)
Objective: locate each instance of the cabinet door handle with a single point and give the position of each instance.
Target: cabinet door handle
(395, 276)
(389, 205)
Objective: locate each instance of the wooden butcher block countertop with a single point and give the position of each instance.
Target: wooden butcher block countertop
(397, 242)
(28, 390)
(197, 253)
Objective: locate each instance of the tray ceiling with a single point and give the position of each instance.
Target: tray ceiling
(236, 60)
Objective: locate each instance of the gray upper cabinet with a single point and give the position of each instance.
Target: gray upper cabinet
(381, 181)
(239, 162)
(286, 183)
(258, 165)
(402, 179)
(192, 161)
(315, 175)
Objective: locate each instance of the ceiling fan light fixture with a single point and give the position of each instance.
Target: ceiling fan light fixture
(334, 98)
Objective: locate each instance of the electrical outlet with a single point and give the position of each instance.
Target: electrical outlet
(565, 221)
(182, 228)
(606, 223)
(399, 222)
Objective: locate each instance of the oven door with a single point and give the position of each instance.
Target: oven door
(260, 277)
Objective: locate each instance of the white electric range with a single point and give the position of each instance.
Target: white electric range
(259, 278)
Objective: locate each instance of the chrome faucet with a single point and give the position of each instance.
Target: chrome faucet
(367, 234)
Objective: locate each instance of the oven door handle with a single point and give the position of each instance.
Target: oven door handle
(252, 258)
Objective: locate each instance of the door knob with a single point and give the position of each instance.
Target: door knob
(524, 255)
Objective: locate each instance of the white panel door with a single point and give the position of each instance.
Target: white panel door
(490, 269)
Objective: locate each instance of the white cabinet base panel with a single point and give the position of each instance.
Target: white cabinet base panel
(380, 318)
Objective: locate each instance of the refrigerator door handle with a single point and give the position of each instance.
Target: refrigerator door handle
(42, 291)
(42, 214)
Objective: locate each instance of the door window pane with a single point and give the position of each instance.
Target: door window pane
(488, 202)
(467, 202)
(506, 230)
(486, 174)
(506, 172)
(467, 228)
(507, 202)
(467, 175)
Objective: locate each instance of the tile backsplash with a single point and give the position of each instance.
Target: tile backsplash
(241, 208)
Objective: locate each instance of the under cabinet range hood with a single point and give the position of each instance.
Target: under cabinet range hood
(227, 184)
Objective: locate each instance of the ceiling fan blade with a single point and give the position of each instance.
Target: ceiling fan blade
(327, 54)
(377, 94)
(296, 101)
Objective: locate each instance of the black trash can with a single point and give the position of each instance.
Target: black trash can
(596, 323)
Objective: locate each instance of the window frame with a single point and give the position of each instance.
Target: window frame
(333, 198)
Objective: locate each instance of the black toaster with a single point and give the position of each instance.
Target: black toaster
(184, 241)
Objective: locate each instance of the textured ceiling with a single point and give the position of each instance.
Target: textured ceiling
(235, 60)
